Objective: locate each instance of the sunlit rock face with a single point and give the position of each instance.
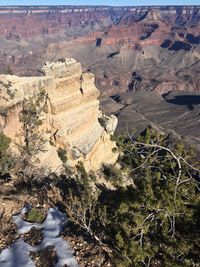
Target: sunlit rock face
(73, 118)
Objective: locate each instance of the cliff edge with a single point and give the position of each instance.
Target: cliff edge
(73, 121)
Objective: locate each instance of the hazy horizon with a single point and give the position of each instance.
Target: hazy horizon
(100, 3)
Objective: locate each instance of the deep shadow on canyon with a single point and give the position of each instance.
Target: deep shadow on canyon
(177, 112)
(185, 100)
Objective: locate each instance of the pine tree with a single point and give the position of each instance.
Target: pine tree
(6, 161)
(33, 142)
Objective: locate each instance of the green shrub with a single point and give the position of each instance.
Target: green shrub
(82, 173)
(35, 215)
(114, 149)
(154, 222)
(62, 154)
(4, 143)
(112, 174)
(5, 156)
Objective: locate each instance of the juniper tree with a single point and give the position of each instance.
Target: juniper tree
(33, 141)
(6, 161)
(80, 199)
(157, 219)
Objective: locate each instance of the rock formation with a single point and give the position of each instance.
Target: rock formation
(73, 121)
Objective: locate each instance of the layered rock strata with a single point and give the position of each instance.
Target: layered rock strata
(73, 121)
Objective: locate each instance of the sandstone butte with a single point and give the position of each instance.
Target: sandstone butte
(73, 122)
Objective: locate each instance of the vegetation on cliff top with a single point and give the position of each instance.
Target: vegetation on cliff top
(154, 221)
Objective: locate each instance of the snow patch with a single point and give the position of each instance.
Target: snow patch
(17, 255)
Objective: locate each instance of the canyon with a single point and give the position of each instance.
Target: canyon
(134, 51)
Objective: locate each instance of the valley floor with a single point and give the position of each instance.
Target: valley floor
(176, 111)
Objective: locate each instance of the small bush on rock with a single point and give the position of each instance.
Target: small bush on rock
(62, 154)
(35, 215)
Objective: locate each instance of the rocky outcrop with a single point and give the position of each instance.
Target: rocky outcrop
(73, 118)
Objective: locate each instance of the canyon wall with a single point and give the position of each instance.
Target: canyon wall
(31, 35)
(73, 121)
(127, 48)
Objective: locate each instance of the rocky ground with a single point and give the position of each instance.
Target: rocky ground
(86, 252)
(8, 233)
(89, 254)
